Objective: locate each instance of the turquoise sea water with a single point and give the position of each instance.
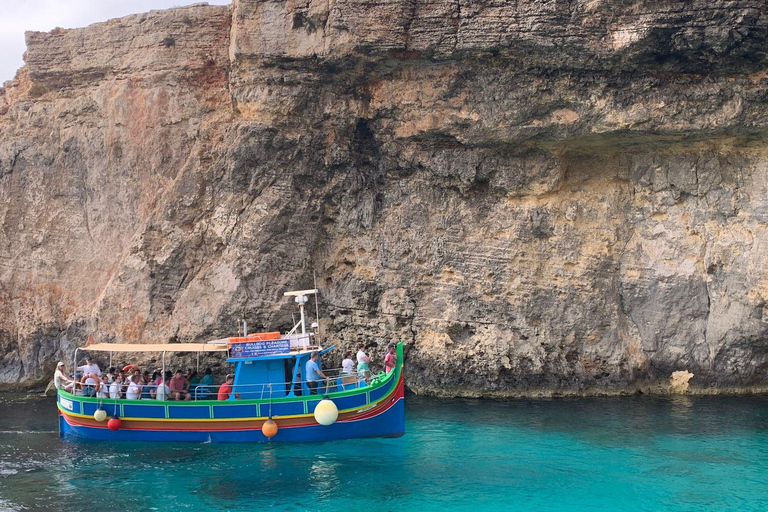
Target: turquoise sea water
(590, 454)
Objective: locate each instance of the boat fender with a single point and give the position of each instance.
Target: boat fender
(100, 414)
(269, 428)
(114, 424)
(326, 412)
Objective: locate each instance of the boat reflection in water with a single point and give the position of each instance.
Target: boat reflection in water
(267, 388)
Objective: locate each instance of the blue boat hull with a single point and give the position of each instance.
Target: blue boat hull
(389, 423)
(375, 410)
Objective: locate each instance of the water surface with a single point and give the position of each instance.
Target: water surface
(631, 453)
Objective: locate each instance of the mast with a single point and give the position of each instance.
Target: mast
(301, 299)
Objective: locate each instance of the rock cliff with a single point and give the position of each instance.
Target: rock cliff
(537, 197)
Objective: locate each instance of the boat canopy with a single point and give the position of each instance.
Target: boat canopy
(155, 347)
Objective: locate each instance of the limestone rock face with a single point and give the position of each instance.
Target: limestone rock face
(536, 197)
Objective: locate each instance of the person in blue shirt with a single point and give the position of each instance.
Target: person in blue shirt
(313, 373)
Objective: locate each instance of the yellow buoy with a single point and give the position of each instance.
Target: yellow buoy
(326, 412)
(269, 428)
(100, 415)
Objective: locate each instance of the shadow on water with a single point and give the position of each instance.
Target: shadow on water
(647, 453)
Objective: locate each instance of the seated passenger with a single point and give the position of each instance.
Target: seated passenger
(226, 389)
(134, 389)
(180, 387)
(123, 377)
(90, 385)
(163, 392)
(103, 391)
(114, 388)
(61, 381)
(204, 392)
(194, 383)
(146, 384)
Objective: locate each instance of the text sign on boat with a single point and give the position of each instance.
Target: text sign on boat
(260, 348)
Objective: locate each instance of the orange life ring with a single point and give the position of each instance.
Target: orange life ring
(129, 366)
(95, 377)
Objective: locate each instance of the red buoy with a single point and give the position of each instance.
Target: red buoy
(114, 423)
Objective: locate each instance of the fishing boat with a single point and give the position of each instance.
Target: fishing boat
(269, 400)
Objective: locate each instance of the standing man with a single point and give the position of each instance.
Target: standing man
(90, 368)
(61, 381)
(313, 373)
(390, 360)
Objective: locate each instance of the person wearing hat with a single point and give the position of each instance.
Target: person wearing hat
(313, 373)
(89, 368)
(60, 380)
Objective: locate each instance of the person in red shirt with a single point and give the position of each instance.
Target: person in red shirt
(391, 358)
(226, 389)
(180, 387)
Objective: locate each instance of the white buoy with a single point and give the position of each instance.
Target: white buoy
(326, 412)
(100, 415)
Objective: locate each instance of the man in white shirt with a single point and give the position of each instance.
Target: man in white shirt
(103, 391)
(90, 368)
(163, 391)
(114, 388)
(134, 389)
(60, 380)
(347, 365)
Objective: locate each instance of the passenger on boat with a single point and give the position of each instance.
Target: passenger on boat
(89, 367)
(194, 382)
(124, 380)
(206, 386)
(347, 365)
(362, 361)
(390, 360)
(162, 392)
(103, 391)
(134, 388)
(225, 390)
(112, 374)
(60, 380)
(313, 373)
(90, 385)
(146, 386)
(115, 386)
(180, 387)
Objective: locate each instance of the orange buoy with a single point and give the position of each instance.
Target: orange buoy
(269, 428)
(114, 424)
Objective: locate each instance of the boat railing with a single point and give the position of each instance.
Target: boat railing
(332, 383)
(336, 380)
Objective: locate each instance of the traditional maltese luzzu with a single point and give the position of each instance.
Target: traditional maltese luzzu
(268, 400)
